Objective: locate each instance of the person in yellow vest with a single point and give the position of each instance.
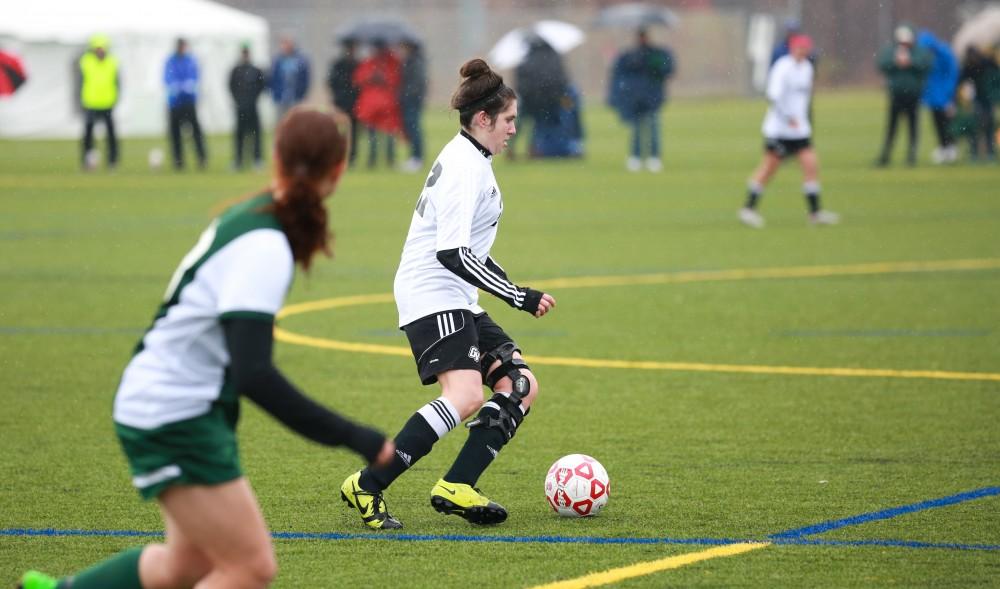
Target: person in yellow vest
(99, 84)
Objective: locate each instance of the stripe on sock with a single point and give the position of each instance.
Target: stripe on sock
(441, 415)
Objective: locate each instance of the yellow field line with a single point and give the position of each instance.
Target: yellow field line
(673, 278)
(654, 566)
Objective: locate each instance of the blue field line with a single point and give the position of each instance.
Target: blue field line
(337, 536)
(887, 513)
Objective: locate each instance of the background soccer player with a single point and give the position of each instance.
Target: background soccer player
(178, 401)
(788, 131)
(445, 259)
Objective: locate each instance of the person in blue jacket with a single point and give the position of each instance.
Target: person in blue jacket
(289, 77)
(637, 92)
(181, 78)
(939, 94)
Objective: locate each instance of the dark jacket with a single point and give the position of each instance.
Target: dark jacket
(289, 78)
(246, 82)
(541, 83)
(413, 85)
(340, 80)
(905, 82)
(984, 73)
(638, 80)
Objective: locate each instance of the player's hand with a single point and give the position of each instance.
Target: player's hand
(386, 454)
(546, 304)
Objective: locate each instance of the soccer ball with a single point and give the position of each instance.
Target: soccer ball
(577, 486)
(155, 158)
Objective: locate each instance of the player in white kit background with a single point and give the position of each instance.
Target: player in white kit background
(445, 262)
(788, 131)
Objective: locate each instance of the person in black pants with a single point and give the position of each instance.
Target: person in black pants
(181, 78)
(905, 67)
(340, 80)
(982, 70)
(246, 83)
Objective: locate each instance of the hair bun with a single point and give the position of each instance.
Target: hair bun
(474, 68)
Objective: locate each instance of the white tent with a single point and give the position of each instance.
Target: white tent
(50, 36)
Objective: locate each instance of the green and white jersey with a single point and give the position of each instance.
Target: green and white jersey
(242, 266)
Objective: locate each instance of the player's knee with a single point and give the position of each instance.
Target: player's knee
(260, 568)
(466, 400)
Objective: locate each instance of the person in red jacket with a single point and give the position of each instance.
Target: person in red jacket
(378, 78)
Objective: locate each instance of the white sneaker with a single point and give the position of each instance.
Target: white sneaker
(939, 156)
(633, 164)
(412, 165)
(653, 164)
(751, 218)
(951, 154)
(824, 218)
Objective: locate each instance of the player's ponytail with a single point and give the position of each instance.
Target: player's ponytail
(308, 146)
(481, 89)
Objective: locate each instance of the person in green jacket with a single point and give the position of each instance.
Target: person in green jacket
(98, 85)
(905, 67)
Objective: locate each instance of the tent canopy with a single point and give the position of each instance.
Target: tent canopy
(51, 36)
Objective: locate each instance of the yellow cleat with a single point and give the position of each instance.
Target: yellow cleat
(37, 580)
(467, 502)
(374, 512)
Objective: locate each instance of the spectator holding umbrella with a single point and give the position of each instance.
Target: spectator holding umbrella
(246, 82)
(637, 92)
(181, 77)
(982, 71)
(289, 77)
(98, 87)
(378, 78)
(340, 80)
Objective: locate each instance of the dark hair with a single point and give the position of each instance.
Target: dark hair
(481, 89)
(308, 144)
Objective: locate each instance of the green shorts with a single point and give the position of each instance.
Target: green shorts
(197, 451)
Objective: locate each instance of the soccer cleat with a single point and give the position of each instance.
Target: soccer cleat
(466, 502)
(374, 512)
(751, 218)
(824, 218)
(37, 580)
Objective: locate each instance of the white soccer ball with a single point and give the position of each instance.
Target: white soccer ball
(577, 486)
(155, 158)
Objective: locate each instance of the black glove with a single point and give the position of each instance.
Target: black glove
(531, 299)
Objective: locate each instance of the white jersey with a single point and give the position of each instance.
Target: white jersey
(789, 89)
(241, 267)
(459, 207)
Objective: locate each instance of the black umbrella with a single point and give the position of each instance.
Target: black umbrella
(370, 30)
(636, 15)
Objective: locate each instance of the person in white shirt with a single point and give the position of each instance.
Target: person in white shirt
(445, 262)
(787, 131)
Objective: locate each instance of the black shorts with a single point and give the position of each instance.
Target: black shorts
(452, 340)
(786, 147)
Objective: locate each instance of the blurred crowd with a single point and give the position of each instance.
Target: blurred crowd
(379, 81)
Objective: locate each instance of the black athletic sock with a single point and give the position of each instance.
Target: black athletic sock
(480, 449)
(811, 190)
(753, 195)
(425, 427)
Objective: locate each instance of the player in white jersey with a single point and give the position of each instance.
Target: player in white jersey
(178, 401)
(788, 131)
(445, 262)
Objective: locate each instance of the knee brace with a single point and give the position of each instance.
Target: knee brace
(507, 408)
(501, 413)
(509, 367)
